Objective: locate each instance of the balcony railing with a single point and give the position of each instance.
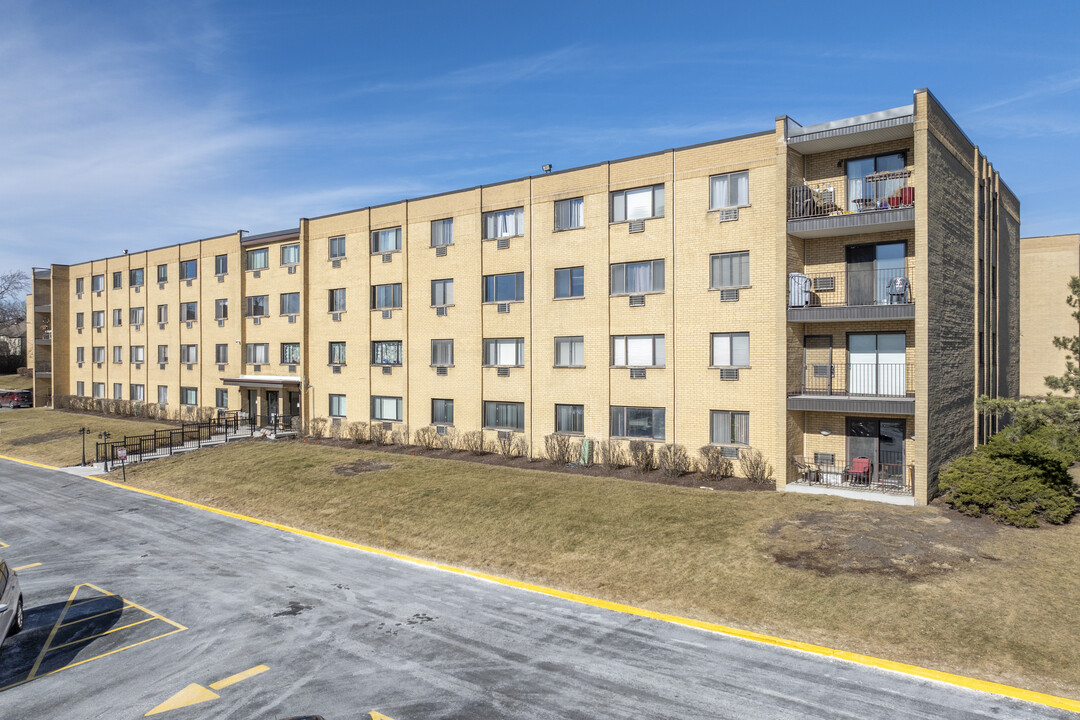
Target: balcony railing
(850, 288)
(880, 191)
(860, 474)
(894, 380)
(43, 367)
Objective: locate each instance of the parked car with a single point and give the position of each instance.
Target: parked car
(11, 602)
(17, 398)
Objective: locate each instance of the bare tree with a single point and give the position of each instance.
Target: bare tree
(13, 287)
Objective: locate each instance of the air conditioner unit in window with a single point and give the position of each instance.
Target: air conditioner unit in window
(80, 365)
(78, 330)
(637, 226)
(292, 318)
(730, 452)
(188, 283)
(161, 326)
(256, 368)
(221, 323)
(190, 366)
(825, 283)
(257, 321)
(337, 370)
(637, 301)
(440, 429)
(161, 286)
(729, 295)
(503, 372)
(335, 263)
(97, 329)
(729, 374)
(824, 458)
(505, 435)
(257, 274)
(440, 251)
(137, 288)
(387, 426)
(221, 278)
(336, 317)
(502, 243)
(161, 366)
(188, 326)
(98, 293)
(637, 373)
(335, 421)
(387, 314)
(388, 257)
(824, 370)
(440, 311)
(440, 370)
(387, 370)
(221, 368)
(138, 366)
(78, 296)
(729, 214)
(292, 368)
(100, 365)
(503, 307)
(292, 269)
(138, 328)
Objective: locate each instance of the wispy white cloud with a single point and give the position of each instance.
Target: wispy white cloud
(1047, 88)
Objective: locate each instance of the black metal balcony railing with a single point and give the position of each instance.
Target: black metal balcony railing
(43, 367)
(862, 379)
(892, 478)
(880, 191)
(850, 288)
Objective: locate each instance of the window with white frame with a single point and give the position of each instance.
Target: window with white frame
(336, 247)
(387, 240)
(290, 303)
(637, 350)
(257, 306)
(570, 282)
(99, 389)
(257, 353)
(290, 254)
(729, 190)
(257, 259)
(504, 223)
(442, 232)
(163, 353)
(189, 269)
(442, 353)
(638, 277)
(80, 388)
(385, 408)
(637, 422)
(730, 350)
(508, 287)
(135, 277)
(118, 391)
(504, 415)
(570, 419)
(136, 316)
(569, 214)
(221, 309)
(729, 428)
(729, 270)
(504, 352)
(290, 353)
(138, 353)
(189, 311)
(336, 300)
(163, 394)
(138, 392)
(163, 313)
(118, 280)
(221, 264)
(117, 317)
(118, 353)
(221, 353)
(189, 396)
(386, 296)
(97, 283)
(99, 353)
(442, 292)
(442, 411)
(189, 354)
(221, 398)
(338, 406)
(98, 318)
(637, 204)
(570, 351)
(337, 353)
(385, 352)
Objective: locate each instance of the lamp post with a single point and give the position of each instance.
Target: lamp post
(104, 435)
(84, 431)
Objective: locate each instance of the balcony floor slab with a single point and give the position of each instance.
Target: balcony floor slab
(853, 404)
(889, 498)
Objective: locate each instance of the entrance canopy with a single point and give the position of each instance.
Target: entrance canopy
(265, 382)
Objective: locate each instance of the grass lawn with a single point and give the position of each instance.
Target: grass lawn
(16, 382)
(918, 585)
(52, 436)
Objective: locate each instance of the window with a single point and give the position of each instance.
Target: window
(80, 388)
(189, 353)
(80, 355)
(637, 204)
(290, 254)
(290, 303)
(257, 305)
(570, 419)
(138, 353)
(442, 412)
(569, 214)
(877, 364)
(337, 300)
(97, 283)
(221, 398)
(138, 393)
(290, 353)
(136, 316)
(386, 352)
(118, 354)
(162, 273)
(442, 232)
(385, 240)
(729, 190)
(221, 264)
(337, 406)
(257, 353)
(189, 269)
(221, 353)
(442, 292)
(118, 391)
(864, 192)
(729, 270)
(730, 350)
(570, 351)
(337, 353)
(189, 396)
(637, 422)
(163, 394)
(189, 311)
(257, 259)
(639, 277)
(99, 389)
(504, 351)
(135, 277)
(98, 318)
(442, 353)
(163, 353)
(221, 309)
(504, 288)
(80, 320)
(118, 280)
(386, 408)
(163, 313)
(570, 282)
(504, 415)
(385, 296)
(637, 350)
(729, 428)
(117, 317)
(337, 247)
(79, 289)
(504, 223)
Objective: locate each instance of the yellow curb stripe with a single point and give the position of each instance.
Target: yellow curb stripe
(914, 670)
(26, 567)
(233, 679)
(29, 462)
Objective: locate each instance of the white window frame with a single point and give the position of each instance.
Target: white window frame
(726, 191)
(497, 349)
(618, 204)
(622, 346)
(738, 265)
(721, 344)
(576, 349)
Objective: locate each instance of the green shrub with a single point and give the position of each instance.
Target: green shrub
(992, 482)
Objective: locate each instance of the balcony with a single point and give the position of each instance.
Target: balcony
(860, 474)
(873, 387)
(43, 370)
(874, 203)
(851, 294)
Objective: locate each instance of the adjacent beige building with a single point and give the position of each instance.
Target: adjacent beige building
(835, 296)
(1047, 264)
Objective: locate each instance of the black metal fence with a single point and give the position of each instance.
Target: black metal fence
(849, 288)
(893, 478)
(187, 435)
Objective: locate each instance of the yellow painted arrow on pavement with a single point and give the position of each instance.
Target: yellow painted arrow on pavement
(194, 693)
(379, 716)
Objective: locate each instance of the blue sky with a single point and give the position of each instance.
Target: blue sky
(144, 123)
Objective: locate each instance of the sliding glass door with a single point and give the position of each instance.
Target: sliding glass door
(877, 364)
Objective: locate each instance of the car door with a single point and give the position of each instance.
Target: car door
(6, 600)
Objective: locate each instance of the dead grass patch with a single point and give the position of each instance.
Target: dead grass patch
(52, 436)
(361, 466)
(16, 382)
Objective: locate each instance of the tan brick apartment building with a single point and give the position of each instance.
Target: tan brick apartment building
(1046, 266)
(834, 295)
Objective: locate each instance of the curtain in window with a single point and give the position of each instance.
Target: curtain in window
(386, 408)
(504, 415)
(442, 411)
(569, 351)
(442, 232)
(639, 350)
(290, 353)
(730, 270)
(290, 254)
(507, 353)
(570, 418)
(442, 352)
(337, 353)
(442, 292)
(504, 223)
(136, 316)
(387, 353)
(570, 214)
(639, 277)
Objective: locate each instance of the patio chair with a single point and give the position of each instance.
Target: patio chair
(859, 472)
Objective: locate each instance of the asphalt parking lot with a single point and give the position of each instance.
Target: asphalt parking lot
(136, 604)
